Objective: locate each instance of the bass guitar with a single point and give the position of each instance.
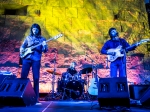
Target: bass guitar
(28, 50)
(118, 53)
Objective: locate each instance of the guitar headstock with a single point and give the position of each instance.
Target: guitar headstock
(143, 41)
(57, 36)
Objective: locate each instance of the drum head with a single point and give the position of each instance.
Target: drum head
(74, 89)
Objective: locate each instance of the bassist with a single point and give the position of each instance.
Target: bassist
(120, 62)
(33, 59)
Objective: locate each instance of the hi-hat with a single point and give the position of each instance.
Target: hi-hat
(52, 72)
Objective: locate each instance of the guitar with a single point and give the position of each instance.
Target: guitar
(93, 88)
(118, 53)
(29, 49)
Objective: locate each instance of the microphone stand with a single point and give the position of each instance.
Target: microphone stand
(53, 78)
(92, 64)
(95, 76)
(94, 71)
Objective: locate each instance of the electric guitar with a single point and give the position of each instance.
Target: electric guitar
(93, 88)
(28, 50)
(118, 53)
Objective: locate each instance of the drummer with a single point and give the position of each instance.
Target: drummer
(72, 69)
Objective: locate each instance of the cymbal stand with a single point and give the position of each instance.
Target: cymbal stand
(52, 96)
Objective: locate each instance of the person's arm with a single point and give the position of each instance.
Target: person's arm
(45, 46)
(105, 48)
(130, 47)
(23, 46)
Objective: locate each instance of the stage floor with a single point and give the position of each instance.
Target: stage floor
(70, 106)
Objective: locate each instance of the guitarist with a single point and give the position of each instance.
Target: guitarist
(33, 59)
(120, 62)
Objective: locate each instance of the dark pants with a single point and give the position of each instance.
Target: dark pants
(118, 66)
(36, 73)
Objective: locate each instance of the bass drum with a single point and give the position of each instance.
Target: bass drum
(74, 89)
(61, 85)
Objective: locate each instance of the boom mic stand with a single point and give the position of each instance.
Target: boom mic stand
(92, 65)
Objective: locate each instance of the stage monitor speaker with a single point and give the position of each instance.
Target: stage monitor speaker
(137, 91)
(17, 92)
(145, 98)
(5, 77)
(113, 92)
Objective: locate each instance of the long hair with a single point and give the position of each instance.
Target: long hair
(71, 65)
(35, 26)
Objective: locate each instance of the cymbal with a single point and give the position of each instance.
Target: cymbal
(52, 72)
(86, 70)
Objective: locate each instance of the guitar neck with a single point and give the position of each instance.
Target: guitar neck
(41, 43)
(133, 45)
(138, 43)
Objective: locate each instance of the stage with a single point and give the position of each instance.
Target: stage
(70, 106)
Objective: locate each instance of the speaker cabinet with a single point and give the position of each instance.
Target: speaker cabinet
(5, 77)
(137, 91)
(145, 98)
(113, 92)
(17, 92)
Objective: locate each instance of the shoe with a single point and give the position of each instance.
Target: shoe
(138, 103)
(38, 103)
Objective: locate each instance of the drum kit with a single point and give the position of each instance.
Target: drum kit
(70, 86)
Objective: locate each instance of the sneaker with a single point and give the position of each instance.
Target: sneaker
(138, 103)
(38, 103)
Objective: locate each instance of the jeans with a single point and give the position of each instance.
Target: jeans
(118, 66)
(27, 64)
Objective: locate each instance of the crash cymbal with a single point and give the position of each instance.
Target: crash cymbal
(86, 70)
(52, 72)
